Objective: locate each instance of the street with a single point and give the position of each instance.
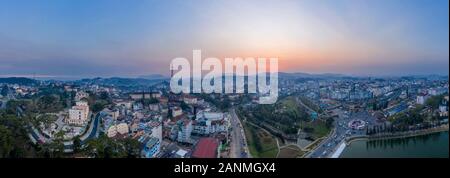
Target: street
(341, 131)
(238, 142)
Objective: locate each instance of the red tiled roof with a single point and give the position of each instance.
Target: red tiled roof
(206, 148)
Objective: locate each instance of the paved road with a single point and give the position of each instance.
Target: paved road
(329, 145)
(238, 145)
(93, 131)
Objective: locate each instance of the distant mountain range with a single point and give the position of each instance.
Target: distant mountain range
(148, 80)
(307, 75)
(153, 77)
(117, 81)
(18, 80)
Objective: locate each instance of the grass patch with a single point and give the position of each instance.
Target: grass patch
(290, 151)
(260, 143)
(317, 128)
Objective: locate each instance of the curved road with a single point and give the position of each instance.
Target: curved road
(92, 132)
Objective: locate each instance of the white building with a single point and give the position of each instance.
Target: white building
(176, 111)
(78, 114)
(80, 95)
(421, 99)
(190, 100)
(156, 130)
(443, 110)
(121, 129)
(437, 91)
(184, 131)
(210, 122)
(154, 107)
(113, 113)
(145, 95)
(112, 131)
(126, 104)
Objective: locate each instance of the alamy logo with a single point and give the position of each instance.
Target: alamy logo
(261, 75)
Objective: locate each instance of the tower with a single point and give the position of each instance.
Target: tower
(170, 91)
(171, 70)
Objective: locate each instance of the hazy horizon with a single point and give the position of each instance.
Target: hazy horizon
(107, 38)
(73, 78)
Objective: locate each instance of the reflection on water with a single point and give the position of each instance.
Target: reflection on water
(432, 145)
(413, 141)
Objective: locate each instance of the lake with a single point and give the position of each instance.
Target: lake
(426, 146)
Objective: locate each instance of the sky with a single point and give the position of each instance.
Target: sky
(104, 38)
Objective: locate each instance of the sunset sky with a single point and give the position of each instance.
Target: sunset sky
(88, 38)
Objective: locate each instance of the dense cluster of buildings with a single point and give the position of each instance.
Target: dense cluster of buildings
(387, 96)
(185, 125)
(157, 120)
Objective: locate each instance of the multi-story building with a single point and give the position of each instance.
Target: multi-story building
(437, 91)
(210, 122)
(152, 146)
(154, 107)
(80, 95)
(78, 114)
(119, 129)
(190, 99)
(156, 130)
(421, 98)
(184, 130)
(112, 131)
(145, 95)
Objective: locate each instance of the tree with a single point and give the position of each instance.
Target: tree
(5, 90)
(184, 106)
(57, 145)
(434, 101)
(6, 142)
(132, 147)
(104, 147)
(44, 150)
(104, 95)
(97, 107)
(76, 144)
(170, 114)
(14, 142)
(329, 122)
(49, 103)
(308, 129)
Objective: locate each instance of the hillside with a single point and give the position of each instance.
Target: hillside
(18, 80)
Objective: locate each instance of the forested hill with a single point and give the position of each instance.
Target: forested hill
(18, 80)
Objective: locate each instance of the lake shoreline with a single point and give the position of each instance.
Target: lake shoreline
(431, 145)
(443, 128)
(342, 146)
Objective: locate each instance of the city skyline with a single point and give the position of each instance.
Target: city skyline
(107, 38)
